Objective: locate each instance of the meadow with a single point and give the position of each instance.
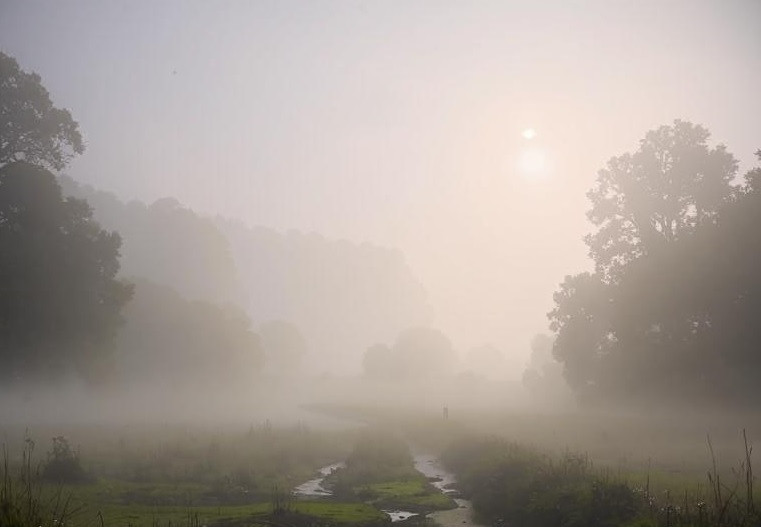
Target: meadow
(527, 469)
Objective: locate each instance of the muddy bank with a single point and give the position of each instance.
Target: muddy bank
(431, 467)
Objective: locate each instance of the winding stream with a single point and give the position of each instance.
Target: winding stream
(431, 467)
(313, 488)
(427, 465)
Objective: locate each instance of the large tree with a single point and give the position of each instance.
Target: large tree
(60, 301)
(31, 128)
(673, 182)
(669, 312)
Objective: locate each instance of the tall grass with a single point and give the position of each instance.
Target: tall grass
(517, 485)
(24, 502)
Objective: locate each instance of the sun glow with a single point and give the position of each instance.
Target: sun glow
(533, 163)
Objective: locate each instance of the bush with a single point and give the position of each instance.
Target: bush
(522, 487)
(63, 465)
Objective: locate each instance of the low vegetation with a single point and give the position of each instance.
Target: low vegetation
(516, 485)
(380, 471)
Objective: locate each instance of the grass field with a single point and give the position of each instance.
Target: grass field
(645, 471)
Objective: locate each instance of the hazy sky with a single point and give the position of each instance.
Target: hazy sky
(395, 122)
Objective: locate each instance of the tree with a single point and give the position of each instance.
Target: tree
(581, 321)
(31, 128)
(670, 312)
(60, 301)
(669, 186)
(171, 341)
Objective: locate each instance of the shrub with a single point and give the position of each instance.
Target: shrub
(63, 465)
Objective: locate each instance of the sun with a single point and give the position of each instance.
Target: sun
(528, 134)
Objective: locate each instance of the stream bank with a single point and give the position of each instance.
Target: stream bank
(431, 468)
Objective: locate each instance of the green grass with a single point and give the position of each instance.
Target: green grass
(115, 515)
(411, 494)
(348, 513)
(147, 516)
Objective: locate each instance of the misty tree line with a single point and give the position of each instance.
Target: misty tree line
(64, 248)
(668, 313)
(671, 311)
(62, 303)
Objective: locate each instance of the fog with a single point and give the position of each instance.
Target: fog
(394, 124)
(535, 220)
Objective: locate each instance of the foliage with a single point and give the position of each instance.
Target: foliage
(380, 470)
(31, 128)
(673, 183)
(144, 475)
(342, 296)
(174, 341)
(63, 464)
(168, 244)
(60, 301)
(511, 484)
(669, 312)
(521, 487)
(22, 500)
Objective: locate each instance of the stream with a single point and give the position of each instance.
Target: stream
(313, 488)
(431, 467)
(427, 465)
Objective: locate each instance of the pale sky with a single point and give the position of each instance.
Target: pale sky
(395, 122)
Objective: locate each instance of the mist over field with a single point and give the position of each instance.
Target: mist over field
(357, 263)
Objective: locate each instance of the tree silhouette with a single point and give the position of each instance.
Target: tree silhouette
(31, 128)
(669, 186)
(60, 302)
(670, 312)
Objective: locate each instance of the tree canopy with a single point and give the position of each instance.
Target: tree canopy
(669, 186)
(31, 128)
(175, 342)
(417, 353)
(60, 301)
(669, 312)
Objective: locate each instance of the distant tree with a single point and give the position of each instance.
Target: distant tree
(423, 352)
(167, 243)
(417, 353)
(284, 345)
(31, 128)
(669, 186)
(173, 341)
(60, 301)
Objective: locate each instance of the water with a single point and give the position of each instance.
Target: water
(431, 467)
(427, 465)
(314, 487)
(397, 516)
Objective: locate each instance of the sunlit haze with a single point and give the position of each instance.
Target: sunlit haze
(463, 134)
(368, 263)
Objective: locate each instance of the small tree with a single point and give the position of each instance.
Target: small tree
(63, 465)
